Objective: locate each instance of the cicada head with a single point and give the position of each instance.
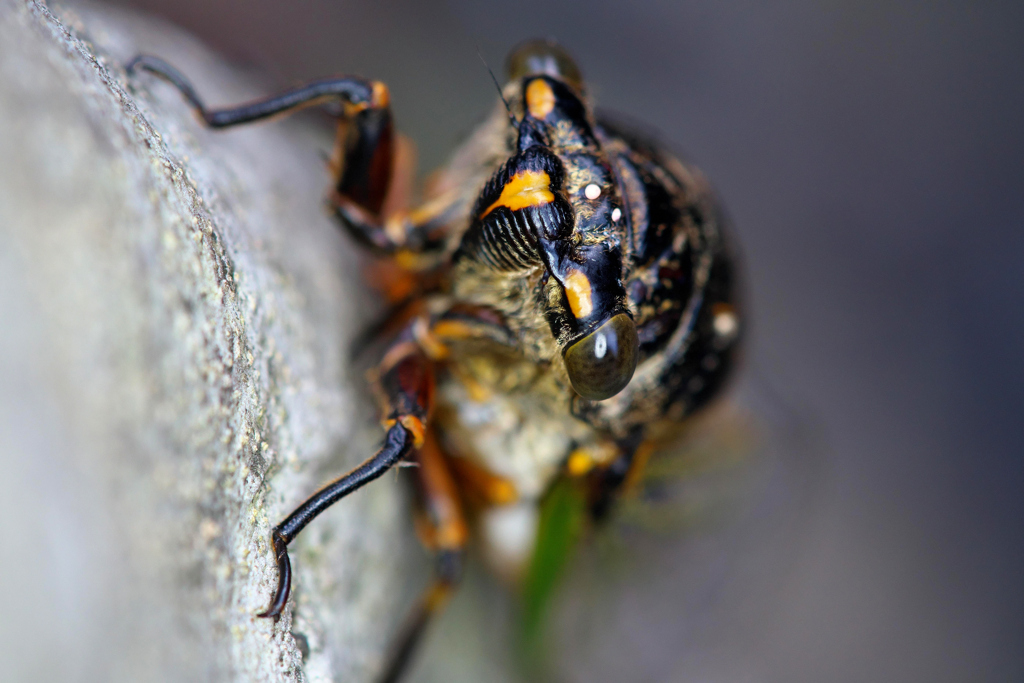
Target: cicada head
(554, 208)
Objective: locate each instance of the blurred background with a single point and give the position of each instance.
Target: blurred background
(871, 155)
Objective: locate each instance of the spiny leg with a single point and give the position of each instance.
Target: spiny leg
(363, 159)
(406, 384)
(362, 162)
(443, 530)
(398, 442)
(357, 94)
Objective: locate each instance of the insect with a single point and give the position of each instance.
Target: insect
(571, 300)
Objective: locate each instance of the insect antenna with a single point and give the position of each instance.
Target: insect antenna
(511, 117)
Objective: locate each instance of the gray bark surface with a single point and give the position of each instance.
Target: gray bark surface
(175, 315)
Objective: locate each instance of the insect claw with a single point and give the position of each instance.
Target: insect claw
(284, 578)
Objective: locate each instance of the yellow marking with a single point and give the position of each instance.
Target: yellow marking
(526, 188)
(449, 537)
(353, 109)
(579, 463)
(406, 259)
(540, 99)
(577, 291)
(381, 97)
(492, 488)
(584, 459)
(454, 329)
(414, 425)
(501, 492)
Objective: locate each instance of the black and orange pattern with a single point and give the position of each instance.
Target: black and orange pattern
(565, 291)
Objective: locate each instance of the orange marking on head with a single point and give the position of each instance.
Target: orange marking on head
(540, 99)
(526, 188)
(577, 291)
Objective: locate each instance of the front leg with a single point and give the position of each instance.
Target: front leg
(363, 162)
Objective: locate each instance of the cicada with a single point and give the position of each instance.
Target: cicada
(568, 300)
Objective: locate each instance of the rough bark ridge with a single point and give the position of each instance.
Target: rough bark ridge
(176, 310)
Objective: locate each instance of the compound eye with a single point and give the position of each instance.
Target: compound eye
(601, 364)
(543, 57)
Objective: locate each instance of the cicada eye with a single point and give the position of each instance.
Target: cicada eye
(601, 364)
(543, 57)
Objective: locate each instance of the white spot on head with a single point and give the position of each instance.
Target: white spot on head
(600, 345)
(726, 325)
(616, 214)
(592, 191)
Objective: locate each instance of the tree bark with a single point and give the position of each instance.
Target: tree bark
(175, 315)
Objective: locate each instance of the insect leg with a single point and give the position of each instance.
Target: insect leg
(406, 383)
(357, 94)
(362, 162)
(422, 230)
(608, 482)
(443, 530)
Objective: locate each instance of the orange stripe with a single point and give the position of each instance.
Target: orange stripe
(577, 291)
(540, 99)
(454, 329)
(411, 423)
(380, 97)
(526, 188)
(490, 488)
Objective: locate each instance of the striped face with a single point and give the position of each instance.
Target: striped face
(554, 205)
